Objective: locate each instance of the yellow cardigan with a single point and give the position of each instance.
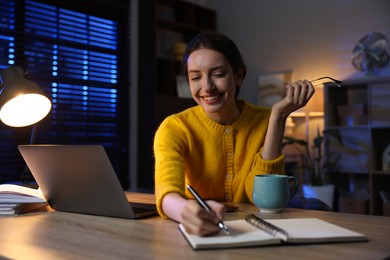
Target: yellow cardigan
(219, 161)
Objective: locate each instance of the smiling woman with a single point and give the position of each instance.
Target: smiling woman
(218, 146)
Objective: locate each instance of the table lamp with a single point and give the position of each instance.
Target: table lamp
(22, 103)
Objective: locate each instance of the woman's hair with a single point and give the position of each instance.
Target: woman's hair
(221, 44)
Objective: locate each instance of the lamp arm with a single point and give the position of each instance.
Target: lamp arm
(33, 133)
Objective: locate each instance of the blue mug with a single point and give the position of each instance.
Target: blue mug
(271, 192)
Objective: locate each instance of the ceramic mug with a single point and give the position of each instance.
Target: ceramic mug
(271, 192)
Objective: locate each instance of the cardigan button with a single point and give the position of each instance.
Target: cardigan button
(227, 130)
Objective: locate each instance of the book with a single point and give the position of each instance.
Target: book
(254, 231)
(16, 199)
(22, 208)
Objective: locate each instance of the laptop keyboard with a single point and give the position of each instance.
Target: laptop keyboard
(138, 210)
(142, 207)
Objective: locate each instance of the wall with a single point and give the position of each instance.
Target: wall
(311, 37)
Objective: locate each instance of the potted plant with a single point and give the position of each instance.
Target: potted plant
(314, 167)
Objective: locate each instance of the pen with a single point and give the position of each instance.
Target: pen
(207, 208)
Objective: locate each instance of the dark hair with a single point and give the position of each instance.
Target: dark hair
(219, 43)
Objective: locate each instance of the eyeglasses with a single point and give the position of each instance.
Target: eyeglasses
(332, 80)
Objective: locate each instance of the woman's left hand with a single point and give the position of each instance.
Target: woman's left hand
(297, 95)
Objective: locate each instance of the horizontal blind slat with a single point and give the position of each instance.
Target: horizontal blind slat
(70, 49)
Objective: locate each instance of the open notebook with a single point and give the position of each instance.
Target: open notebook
(80, 179)
(254, 231)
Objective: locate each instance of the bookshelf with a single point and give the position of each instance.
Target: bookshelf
(163, 24)
(360, 111)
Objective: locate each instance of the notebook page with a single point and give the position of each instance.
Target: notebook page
(241, 234)
(312, 230)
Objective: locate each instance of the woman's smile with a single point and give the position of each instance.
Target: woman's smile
(213, 85)
(212, 99)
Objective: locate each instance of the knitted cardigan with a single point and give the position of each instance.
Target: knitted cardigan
(219, 161)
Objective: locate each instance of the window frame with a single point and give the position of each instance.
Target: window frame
(11, 163)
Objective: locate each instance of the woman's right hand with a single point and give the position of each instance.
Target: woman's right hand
(198, 221)
(194, 218)
(297, 96)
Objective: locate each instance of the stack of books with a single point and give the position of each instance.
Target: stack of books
(17, 199)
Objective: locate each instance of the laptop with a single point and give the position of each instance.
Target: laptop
(81, 179)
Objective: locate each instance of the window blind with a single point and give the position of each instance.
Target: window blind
(77, 52)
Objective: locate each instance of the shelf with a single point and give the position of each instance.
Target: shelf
(186, 15)
(164, 105)
(166, 72)
(360, 112)
(380, 104)
(162, 24)
(387, 173)
(177, 27)
(362, 127)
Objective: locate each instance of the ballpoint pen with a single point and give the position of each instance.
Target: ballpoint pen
(207, 208)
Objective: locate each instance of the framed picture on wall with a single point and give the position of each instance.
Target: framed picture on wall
(272, 87)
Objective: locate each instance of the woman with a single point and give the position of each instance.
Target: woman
(218, 146)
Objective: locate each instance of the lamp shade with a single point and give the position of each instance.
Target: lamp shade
(22, 102)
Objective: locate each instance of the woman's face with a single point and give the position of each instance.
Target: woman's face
(213, 84)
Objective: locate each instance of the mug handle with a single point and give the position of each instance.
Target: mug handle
(295, 188)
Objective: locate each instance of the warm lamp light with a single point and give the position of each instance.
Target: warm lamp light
(22, 102)
(315, 106)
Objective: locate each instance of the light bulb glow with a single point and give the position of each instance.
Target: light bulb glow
(25, 110)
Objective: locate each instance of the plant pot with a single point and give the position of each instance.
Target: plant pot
(324, 193)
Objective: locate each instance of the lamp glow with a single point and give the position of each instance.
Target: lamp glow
(25, 110)
(22, 102)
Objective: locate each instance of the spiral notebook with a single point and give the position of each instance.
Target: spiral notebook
(254, 231)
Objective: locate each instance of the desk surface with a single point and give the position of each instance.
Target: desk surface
(58, 235)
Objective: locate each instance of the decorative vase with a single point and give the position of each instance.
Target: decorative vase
(324, 193)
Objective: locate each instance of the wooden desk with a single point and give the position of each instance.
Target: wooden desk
(58, 235)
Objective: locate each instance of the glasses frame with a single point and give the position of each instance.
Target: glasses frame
(332, 80)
